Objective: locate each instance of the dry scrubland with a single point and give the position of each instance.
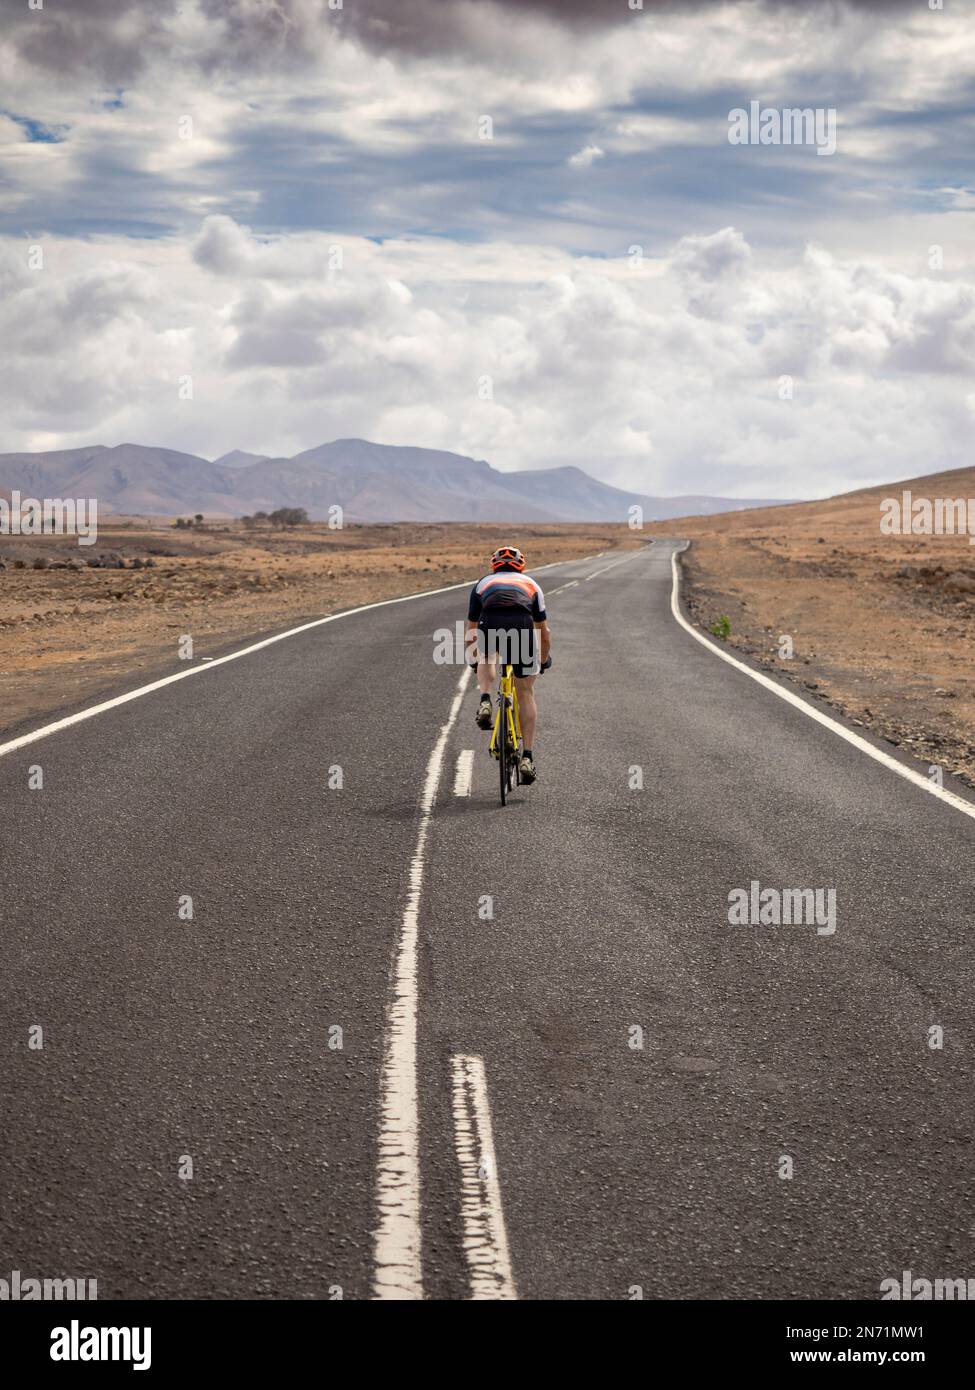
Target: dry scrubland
(882, 625)
(95, 614)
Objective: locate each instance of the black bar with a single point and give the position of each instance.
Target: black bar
(250, 1337)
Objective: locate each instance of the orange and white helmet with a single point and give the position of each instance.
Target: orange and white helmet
(509, 557)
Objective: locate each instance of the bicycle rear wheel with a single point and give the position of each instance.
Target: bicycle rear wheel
(513, 775)
(503, 753)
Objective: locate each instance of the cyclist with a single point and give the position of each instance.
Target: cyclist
(506, 609)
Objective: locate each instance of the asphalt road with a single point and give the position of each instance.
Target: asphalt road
(545, 934)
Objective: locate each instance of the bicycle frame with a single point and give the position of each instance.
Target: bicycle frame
(508, 706)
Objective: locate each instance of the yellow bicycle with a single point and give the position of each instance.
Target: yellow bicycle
(507, 733)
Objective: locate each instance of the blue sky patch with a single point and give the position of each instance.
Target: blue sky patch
(38, 132)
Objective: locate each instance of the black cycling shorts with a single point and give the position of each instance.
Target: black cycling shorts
(500, 638)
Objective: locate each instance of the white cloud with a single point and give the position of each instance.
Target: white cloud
(583, 158)
(662, 378)
(325, 131)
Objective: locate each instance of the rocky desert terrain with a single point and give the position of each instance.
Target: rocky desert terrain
(76, 620)
(881, 625)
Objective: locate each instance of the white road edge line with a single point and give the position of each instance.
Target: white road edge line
(464, 772)
(485, 1238)
(397, 1236)
(908, 773)
(213, 662)
(614, 565)
(231, 656)
(212, 665)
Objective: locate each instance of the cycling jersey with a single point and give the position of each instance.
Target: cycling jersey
(507, 595)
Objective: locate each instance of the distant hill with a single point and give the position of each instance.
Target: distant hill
(371, 482)
(238, 458)
(844, 515)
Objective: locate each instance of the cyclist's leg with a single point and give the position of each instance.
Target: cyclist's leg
(487, 676)
(487, 660)
(525, 687)
(486, 672)
(525, 673)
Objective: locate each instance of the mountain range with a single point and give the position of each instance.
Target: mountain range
(371, 482)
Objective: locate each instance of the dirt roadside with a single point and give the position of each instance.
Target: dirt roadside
(880, 627)
(85, 618)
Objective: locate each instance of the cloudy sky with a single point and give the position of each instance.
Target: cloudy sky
(516, 230)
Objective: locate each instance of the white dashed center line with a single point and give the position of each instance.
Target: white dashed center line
(464, 772)
(485, 1238)
(596, 573)
(397, 1238)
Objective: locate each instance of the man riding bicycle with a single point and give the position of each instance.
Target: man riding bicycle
(506, 610)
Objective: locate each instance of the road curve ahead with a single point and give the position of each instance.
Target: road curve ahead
(410, 1043)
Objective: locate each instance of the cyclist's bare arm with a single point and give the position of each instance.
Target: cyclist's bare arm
(545, 634)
